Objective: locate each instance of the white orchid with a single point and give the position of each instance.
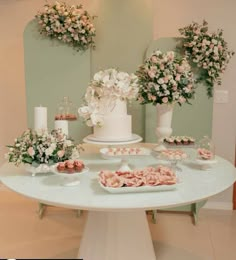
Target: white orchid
(107, 86)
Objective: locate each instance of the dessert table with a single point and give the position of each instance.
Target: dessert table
(117, 227)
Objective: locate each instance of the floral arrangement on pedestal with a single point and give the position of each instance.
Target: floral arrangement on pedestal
(69, 24)
(106, 87)
(165, 78)
(41, 147)
(208, 53)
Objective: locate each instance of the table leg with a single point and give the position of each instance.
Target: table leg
(41, 210)
(116, 236)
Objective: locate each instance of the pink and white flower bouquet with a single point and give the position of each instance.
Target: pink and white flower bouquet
(69, 24)
(207, 51)
(106, 87)
(42, 147)
(165, 78)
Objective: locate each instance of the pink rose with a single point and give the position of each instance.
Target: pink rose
(166, 79)
(165, 100)
(180, 69)
(181, 100)
(151, 74)
(174, 87)
(154, 98)
(162, 67)
(154, 59)
(60, 153)
(31, 151)
(177, 78)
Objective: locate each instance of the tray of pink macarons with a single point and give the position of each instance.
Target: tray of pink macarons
(149, 179)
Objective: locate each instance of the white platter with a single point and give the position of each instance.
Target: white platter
(139, 189)
(104, 154)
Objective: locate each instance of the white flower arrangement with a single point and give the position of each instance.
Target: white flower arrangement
(106, 87)
(165, 78)
(41, 147)
(207, 51)
(69, 24)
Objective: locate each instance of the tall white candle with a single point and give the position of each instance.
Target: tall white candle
(63, 125)
(40, 118)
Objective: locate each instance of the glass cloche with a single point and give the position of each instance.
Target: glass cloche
(206, 149)
(66, 110)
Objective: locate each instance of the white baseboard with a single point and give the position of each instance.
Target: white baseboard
(218, 205)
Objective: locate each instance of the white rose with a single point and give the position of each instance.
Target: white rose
(105, 79)
(160, 81)
(110, 83)
(49, 151)
(98, 76)
(68, 143)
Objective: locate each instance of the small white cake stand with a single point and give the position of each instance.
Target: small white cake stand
(90, 139)
(205, 164)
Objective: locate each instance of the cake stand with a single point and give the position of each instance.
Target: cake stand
(90, 139)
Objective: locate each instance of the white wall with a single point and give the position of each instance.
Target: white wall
(172, 15)
(169, 16)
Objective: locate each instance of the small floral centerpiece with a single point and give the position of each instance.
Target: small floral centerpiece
(106, 87)
(41, 147)
(69, 24)
(165, 78)
(207, 51)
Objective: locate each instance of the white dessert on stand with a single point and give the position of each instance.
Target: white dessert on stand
(124, 166)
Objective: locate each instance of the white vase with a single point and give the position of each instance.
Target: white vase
(42, 168)
(164, 119)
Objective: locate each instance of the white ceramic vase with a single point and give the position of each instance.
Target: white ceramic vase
(164, 120)
(42, 168)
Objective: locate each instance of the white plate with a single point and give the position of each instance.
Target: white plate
(68, 175)
(139, 189)
(104, 154)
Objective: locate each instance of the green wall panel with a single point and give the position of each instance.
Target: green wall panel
(52, 71)
(194, 120)
(124, 30)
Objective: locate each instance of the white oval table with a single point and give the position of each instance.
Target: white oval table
(117, 228)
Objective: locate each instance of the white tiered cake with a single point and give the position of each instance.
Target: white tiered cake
(117, 125)
(105, 107)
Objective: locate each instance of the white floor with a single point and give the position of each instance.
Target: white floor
(57, 235)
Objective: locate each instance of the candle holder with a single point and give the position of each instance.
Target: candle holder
(66, 110)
